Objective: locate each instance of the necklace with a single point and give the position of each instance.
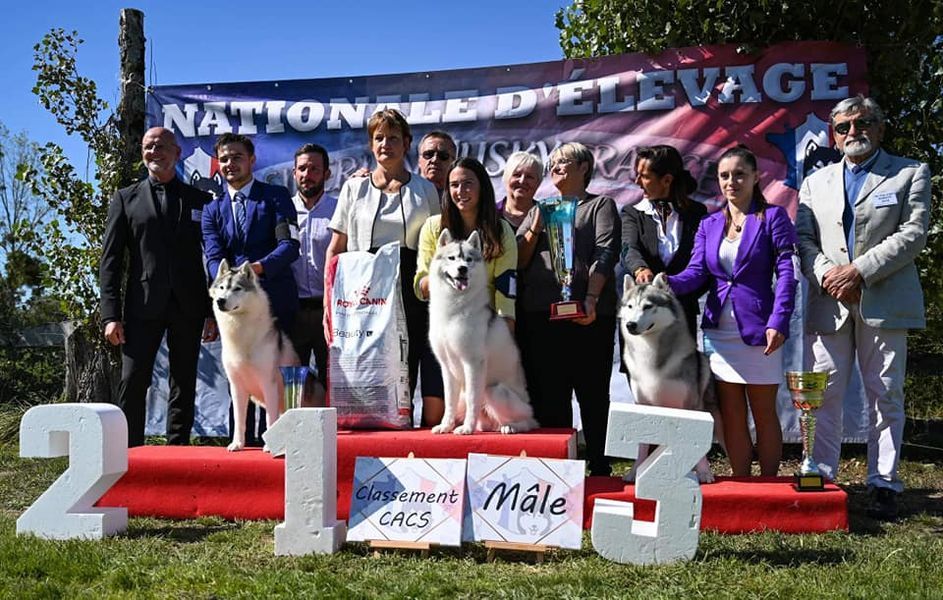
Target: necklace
(738, 227)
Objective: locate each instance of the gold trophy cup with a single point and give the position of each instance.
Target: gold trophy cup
(808, 391)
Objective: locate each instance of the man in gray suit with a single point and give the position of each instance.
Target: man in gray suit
(861, 223)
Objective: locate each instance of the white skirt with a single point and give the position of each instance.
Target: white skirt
(734, 361)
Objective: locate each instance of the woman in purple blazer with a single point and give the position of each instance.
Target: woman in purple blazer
(744, 254)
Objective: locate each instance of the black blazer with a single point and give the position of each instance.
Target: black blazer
(640, 248)
(163, 258)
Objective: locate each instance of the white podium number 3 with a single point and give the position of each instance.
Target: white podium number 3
(95, 438)
(308, 439)
(682, 437)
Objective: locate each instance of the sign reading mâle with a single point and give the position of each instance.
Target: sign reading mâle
(525, 500)
(407, 500)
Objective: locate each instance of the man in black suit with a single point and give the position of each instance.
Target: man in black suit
(155, 223)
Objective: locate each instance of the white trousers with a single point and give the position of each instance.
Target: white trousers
(882, 360)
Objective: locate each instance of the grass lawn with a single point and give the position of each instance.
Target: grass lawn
(212, 558)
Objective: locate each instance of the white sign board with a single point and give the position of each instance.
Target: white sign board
(407, 500)
(525, 500)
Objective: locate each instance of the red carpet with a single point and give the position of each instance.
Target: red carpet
(182, 482)
(188, 482)
(741, 505)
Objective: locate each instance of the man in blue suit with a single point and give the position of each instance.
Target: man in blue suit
(253, 222)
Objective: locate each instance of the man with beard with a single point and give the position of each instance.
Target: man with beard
(155, 223)
(315, 209)
(436, 153)
(861, 223)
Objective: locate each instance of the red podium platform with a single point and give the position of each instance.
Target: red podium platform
(188, 482)
(740, 505)
(184, 482)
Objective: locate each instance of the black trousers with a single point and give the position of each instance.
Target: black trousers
(142, 342)
(307, 335)
(560, 358)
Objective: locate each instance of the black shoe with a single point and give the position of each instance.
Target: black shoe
(883, 504)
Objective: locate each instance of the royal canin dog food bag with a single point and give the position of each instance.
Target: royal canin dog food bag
(368, 373)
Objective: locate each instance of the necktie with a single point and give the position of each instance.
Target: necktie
(663, 208)
(160, 198)
(240, 214)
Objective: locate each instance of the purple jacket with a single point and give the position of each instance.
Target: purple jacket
(767, 248)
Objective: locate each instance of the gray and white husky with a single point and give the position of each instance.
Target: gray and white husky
(481, 365)
(253, 347)
(665, 367)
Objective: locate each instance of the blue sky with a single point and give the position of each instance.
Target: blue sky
(197, 42)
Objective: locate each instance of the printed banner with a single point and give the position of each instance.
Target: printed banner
(525, 500)
(701, 100)
(407, 500)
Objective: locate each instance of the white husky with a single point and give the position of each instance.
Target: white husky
(665, 367)
(253, 348)
(481, 366)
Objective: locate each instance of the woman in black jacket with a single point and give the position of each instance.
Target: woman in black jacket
(658, 231)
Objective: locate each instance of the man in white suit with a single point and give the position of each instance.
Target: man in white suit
(861, 224)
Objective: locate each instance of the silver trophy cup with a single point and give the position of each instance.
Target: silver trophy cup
(559, 217)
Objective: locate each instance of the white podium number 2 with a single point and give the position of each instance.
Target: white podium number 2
(308, 439)
(682, 437)
(95, 438)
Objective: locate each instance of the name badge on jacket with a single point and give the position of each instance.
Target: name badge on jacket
(884, 199)
(196, 215)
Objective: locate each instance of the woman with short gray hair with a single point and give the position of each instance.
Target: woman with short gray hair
(566, 356)
(522, 175)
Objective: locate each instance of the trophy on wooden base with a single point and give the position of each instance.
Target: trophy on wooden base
(808, 391)
(559, 217)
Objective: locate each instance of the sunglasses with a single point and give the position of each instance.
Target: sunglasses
(864, 123)
(443, 156)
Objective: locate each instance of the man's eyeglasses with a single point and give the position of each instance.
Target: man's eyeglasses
(443, 156)
(863, 123)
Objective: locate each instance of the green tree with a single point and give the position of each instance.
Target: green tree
(904, 45)
(28, 374)
(71, 243)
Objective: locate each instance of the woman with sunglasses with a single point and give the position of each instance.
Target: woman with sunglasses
(390, 206)
(566, 356)
(744, 254)
(468, 205)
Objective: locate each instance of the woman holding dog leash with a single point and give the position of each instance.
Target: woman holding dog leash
(658, 231)
(563, 357)
(390, 206)
(737, 252)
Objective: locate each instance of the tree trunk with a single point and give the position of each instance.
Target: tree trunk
(131, 109)
(92, 370)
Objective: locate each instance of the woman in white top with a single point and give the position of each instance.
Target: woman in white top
(391, 205)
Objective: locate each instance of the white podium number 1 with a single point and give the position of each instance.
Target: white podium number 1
(682, 437)
(308, 439)
(95, 438)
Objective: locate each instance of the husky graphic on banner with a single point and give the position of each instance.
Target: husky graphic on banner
(202, 172)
